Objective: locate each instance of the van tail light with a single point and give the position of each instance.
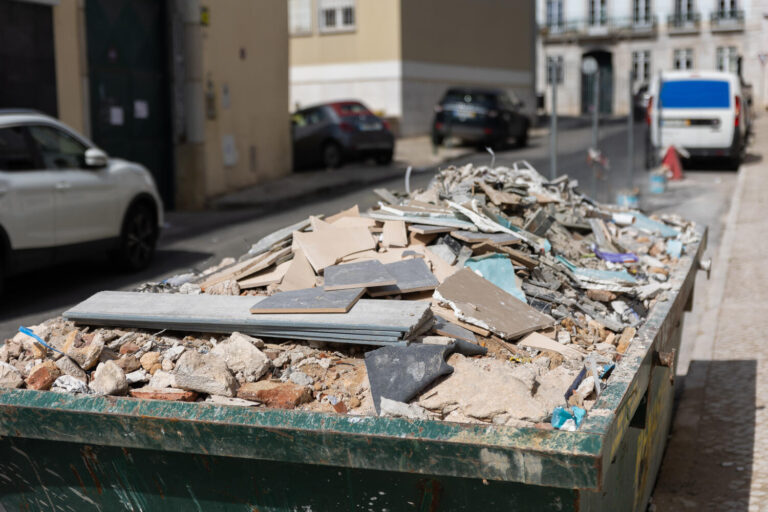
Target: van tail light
(737, 104)
(386, 125)
(648, 110)
(346, 127)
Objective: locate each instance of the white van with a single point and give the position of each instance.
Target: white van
(703, 112)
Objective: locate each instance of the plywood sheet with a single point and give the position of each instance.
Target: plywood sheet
(479, 302)
(412, 275)
(424, 229)
(247, 267)
(326, 247)
(273, 276)
(394, 234)
(309, 300)
(541, 342)
(445, 328)
(363, 274)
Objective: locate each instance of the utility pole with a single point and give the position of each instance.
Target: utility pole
(631, 132)
(553, 71)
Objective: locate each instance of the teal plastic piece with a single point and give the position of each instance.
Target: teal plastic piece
(497, 269)
(560, 415)
(647, 224)
(592, 274)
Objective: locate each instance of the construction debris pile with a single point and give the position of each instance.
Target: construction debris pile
(493, 296)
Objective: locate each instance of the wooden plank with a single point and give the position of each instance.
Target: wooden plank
(494, 238)
(246, 268)
(299, 274)
(478, 301)
(446, 328)
(309, 300)
(411, 275)
(274, 276)
(325, 248)
(363, 274)
(541, 342)
(394, 234)
(499, 197)
(425, 229)
(450, 316)
(225, 313)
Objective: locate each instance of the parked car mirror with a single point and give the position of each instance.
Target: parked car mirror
(95, 158)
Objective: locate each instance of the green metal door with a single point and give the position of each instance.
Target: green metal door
(129, 84)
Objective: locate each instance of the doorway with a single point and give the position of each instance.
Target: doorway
(605, 73)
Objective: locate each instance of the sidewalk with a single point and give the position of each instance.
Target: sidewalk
(717, 457)
(410, 151)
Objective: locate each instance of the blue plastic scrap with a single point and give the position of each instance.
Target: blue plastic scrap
(497, 269)
(675, 248)
(591, 274)
(563, 419)
(28, 332)
(652, 226)
(615, 257)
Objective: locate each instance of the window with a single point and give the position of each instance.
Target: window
(683, 59)
(555, 63)
(300, 17)
(59, 150)
(336, 15)
(727, 59)
(684, 9)
(641, 65)
(554, 14)
(641, 12)
(695, 94)
(598, 12)
(727, 9)
(15, 150)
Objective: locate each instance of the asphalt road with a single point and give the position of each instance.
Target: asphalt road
(198, 240)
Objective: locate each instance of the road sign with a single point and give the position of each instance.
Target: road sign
(589, 66)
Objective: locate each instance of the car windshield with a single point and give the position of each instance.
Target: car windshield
(695, 94)
(470, 97)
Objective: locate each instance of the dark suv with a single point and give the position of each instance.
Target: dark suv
(485, 117)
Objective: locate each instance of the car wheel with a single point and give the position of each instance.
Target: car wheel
(138, 238)
(332, 155)
(734, 163)
(384, 158)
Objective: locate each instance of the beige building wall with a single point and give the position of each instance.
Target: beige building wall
(71, 64)
(245, 83)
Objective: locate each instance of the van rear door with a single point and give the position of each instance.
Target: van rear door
(696, 113)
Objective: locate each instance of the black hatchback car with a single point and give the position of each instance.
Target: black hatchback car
(485, 117)
(330, 134)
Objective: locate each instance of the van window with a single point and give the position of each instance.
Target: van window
(695, 94)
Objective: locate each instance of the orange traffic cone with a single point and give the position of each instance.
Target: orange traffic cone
(672, 162)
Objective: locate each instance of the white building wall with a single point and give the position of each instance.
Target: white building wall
(750, 42)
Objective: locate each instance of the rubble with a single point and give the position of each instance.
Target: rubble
(494, 296)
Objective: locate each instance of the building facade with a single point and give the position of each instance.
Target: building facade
(195, 91)
(399, 56)
(644, 37)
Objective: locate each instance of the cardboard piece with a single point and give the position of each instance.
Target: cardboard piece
(326, 247)
(394, 234)
(363, 274)
(274, 276)
(309, 300)
(479, 302)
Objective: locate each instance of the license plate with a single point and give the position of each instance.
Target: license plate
(370, 127)
(675, 123)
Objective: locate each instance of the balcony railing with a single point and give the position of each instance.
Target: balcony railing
(684, 23)
(600, 27)
(726, 20)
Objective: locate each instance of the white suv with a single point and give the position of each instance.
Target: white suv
(60, 195)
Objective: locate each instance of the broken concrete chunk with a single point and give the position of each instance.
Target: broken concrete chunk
(137, 377)
(43, 375)
(151, 361)
(275, 394)
(228, 287)
(10, 377)
(109, 379)
(241, 355)
(88, 355)
(70, 384)
(395, 409)
(162, 379)
(626, 337)
(301, 379)
(68, 367)
(256, 342)
(601, 295)
(205, 374)
(173, 353)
